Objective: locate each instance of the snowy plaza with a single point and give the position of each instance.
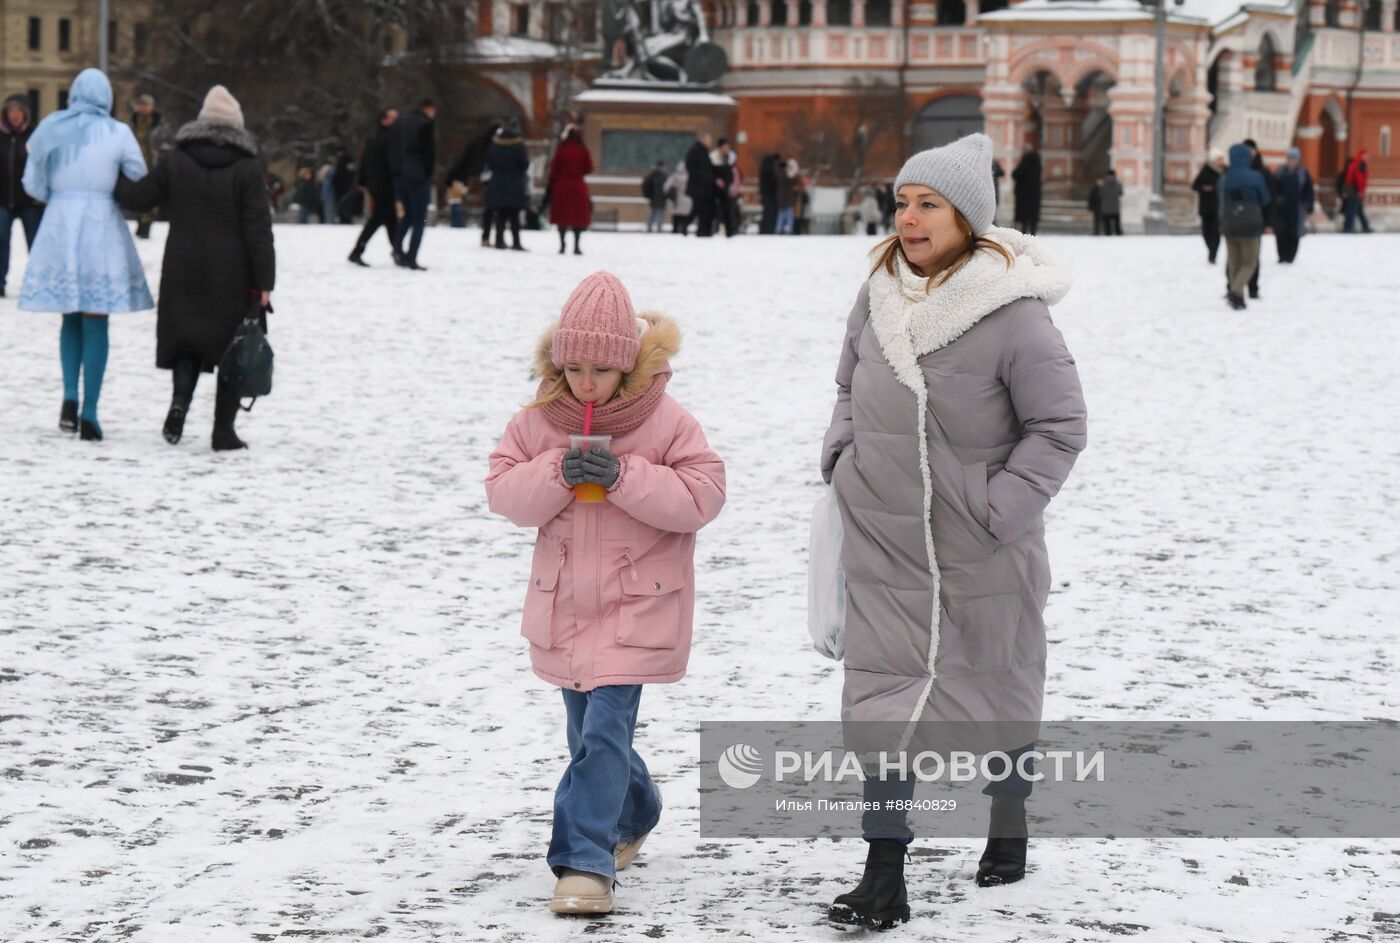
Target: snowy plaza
(282, 693)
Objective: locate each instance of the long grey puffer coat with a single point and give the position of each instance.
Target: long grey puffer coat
(958, 417)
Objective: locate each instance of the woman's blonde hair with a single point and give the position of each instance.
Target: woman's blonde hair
(886, 251)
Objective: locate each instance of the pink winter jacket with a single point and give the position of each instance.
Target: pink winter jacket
(611, 593)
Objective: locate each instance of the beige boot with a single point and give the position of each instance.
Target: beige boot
(582, 892)
(625, 852)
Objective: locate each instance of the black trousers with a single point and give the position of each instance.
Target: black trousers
(1287, 246)
(488, 217)
(185, 377)
(1112, 224)
(679, 223)
(1210, 232)
(893, 825)
(502, 216)
(383, 215)
(725, 212)
(705, 214)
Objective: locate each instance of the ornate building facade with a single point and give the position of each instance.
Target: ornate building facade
(1072, 77)
(44, 44)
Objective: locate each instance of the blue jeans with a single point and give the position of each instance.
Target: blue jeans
(606, 796)
(29, 219)
(413, 194)
(784, 224)
(656, 219)
(892, 824)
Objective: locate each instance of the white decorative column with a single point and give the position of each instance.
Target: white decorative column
(1387, 16)
(971, 9)
(857, 12)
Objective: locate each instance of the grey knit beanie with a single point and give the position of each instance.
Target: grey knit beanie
(962, 172)
(220, 107)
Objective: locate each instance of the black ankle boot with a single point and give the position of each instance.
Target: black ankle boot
(68, 416)
(175, 422)
(89, 431)
(880, 899)
(225, 412)
(1004, 860)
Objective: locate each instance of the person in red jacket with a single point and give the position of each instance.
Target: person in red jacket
(1354, 193)
(569, 204)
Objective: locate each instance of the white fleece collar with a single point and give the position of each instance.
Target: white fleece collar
(910, 321)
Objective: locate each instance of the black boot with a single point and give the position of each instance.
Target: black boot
(89, 431)
(1004, 860)
(68, 416)
(357, 257)
(225, 412)
(184, 376)
(880, 899)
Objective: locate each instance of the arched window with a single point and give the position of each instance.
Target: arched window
(779, 14)
(878, 13)
(952, 12)
(1266, 72)
(753, 12)
(944, 120)
(1332, 13)
(1373, 16)
(804, 13)
(991, 6)
(838, 12)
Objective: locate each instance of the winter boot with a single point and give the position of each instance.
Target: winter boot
(1004, 860)
(225, 412)
(625, 853)
(582, 892)
(880, 899)
(68, 416)
(357, 258)
(174, 426)
(1236, 301)
(184, 376)
(89, 431)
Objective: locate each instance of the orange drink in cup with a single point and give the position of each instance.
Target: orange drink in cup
(589, 492)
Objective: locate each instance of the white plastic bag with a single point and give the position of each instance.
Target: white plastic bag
(826, 579)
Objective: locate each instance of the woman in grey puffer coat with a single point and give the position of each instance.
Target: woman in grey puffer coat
(958, 416)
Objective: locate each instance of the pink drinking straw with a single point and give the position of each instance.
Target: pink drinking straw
(587, 418)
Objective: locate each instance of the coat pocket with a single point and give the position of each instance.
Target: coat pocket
(537, 621)
(975, 492)
(650, 613)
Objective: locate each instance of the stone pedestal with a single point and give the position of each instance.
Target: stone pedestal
(629, 127)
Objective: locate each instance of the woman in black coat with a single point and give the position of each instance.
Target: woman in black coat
(508, 162)
(219, 261)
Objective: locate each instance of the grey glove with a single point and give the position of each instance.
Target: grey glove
(601, 467)
(573, 468)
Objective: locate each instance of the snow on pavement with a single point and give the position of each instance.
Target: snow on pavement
(283, 692)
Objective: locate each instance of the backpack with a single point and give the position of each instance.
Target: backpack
(1242, 219)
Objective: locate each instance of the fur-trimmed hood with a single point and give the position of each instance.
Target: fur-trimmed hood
(910, 321)
(202, 132)
(659, 343)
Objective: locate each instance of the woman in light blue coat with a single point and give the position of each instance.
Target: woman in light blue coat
(83, 262)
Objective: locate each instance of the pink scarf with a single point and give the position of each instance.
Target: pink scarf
(620, 415)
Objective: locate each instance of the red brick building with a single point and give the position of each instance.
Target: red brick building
(1074, 77)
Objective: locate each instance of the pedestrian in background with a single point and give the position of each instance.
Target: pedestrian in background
(16, 125)
(1208, 201)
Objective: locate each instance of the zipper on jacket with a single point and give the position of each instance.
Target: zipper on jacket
(631, 565)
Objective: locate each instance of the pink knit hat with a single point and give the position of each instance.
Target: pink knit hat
(598, 325)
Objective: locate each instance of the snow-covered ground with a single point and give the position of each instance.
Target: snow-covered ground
(282, 692)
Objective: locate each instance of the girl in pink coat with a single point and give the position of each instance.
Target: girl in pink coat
(611, 593)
